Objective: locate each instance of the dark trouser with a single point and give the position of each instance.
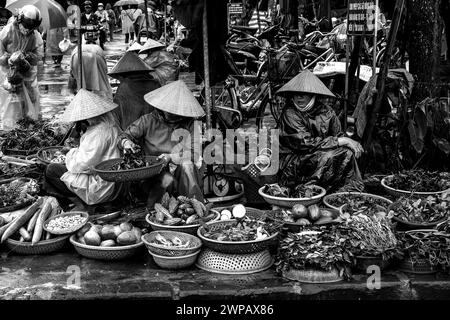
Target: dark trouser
(138, 34)
(331, 169)
(102, 38)
(111, 31)
(52, 180)
(128, 37)
(57, 59)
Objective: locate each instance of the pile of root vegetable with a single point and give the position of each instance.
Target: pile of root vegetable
(182, 210)
(28, 226)
(32, 135)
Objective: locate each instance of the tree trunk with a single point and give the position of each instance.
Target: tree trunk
(424, 46)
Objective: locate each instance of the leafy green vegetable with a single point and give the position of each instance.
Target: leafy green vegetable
(422, 210)
(420, 181)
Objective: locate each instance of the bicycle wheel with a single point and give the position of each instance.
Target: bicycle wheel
(269, 113)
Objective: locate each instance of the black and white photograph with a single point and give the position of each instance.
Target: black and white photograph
(224, 158)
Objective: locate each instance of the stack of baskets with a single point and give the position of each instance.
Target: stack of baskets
(168, 257)
(235, 257)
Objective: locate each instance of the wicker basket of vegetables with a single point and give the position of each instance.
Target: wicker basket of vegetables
(49, 155)
(133, 167)
(286, 198)
(421, 213)
(238, 236)
(16, 194)
(417, 182)
(361, 199)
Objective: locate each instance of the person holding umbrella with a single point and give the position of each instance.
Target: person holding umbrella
(174, 116)
(127, 23)
(314, 148)
(21, 48)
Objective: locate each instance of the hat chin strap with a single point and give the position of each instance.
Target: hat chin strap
(308, 106)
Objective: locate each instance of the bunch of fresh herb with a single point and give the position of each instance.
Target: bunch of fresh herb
(422, 210)
(319, 248)
(420, 181)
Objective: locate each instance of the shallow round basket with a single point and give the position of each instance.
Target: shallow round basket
(161, 250)
(234, 247)
(406, 225)
(106, 253)
(16, 206)
(174, 263)
(70, 230)
(226, 263)
(42, 247)
(103, 170)
(328, 197)
(295, 227)
(190, 229)
(398, 193)
(12, 152)
(422, 266)
(253, 213)
(313, 275)
(290, 202)
(45, 155)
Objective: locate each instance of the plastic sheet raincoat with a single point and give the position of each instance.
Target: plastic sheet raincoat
(95, 70)
(97, 144)
(14, 106)
(166, 68)
(310, 150)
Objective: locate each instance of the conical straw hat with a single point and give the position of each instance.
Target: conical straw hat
(135, 47)
(175, 98)
(306, 82)
(130, 62)
(151, 44)
(86, 105)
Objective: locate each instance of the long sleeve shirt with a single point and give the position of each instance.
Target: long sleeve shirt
(157, 136)
(305, 133)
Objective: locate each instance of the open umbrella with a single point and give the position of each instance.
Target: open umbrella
(122, 3)
(53, 14)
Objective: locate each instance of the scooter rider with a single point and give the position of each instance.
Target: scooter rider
(90, 24)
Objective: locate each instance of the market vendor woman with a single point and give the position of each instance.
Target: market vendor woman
(98, 143)
(176, 108)
(314, 148)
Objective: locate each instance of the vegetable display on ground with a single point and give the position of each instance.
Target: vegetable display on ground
(109, 235)
(17, 192)
(420, 181)
(422, 210)
(301, 191)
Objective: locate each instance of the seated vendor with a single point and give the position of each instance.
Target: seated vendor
(98, 143)
(314, 148)
(175, 108)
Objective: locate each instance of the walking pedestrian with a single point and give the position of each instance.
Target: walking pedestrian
(73, 15)
(103, 19)
(111, 22)
(127, 23)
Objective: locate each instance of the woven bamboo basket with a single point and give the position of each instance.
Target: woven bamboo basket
(406, 225)
(42, 247)
(190, 229)
(313, 275)
(290, 202)
(399, 193)
(103, 170)
(106, 253)
(328, 197)
(161, 250)
(45, 155)
(70, 230)
(233, 247)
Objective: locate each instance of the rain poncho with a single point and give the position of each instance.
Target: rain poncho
(54, 37)
(127, 17)
(25, 101)
(97, 144)
(310, 150)
(130, 98)
(166, 68)
(95, 70)
(155, 135)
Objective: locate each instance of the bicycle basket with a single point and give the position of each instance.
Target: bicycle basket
(283, 65)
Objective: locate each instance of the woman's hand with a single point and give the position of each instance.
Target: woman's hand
(129, 146)
(351, 144)
(166, 158)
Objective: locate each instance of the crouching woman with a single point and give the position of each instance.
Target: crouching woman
(98, 143)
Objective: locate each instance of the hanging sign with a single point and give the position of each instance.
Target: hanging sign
(361, 17)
